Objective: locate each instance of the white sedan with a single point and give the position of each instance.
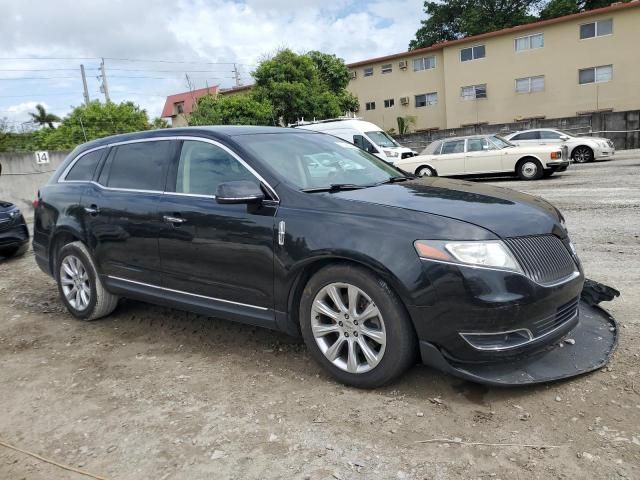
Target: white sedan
(581, 149)
(486, 155)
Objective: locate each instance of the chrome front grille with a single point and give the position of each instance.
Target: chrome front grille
(565, 152)
(5, 223)
(543, 258)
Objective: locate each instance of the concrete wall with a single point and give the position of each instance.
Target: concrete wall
(616, 126)
(21, 177)
(559, 61)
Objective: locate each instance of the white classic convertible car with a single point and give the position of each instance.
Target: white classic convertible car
(486, 155)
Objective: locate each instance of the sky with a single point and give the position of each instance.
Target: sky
(150, 45)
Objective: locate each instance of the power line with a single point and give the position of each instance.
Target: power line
(141, 60)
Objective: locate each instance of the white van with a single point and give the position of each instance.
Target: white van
(363, 134)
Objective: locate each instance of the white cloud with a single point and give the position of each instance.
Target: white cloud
(183, 30)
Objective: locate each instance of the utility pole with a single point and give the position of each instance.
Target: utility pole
(84, 84)
(105, 86)
(236, 75)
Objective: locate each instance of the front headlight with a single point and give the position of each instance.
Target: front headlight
(391, 153)
(604, 144)
(14, 214)
(489, 254)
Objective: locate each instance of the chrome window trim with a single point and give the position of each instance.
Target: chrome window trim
(260, 178)
(187, 293)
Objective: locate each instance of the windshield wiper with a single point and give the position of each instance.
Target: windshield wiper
(396, 179)
(335, 187)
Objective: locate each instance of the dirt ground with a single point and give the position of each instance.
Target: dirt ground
(154, 393)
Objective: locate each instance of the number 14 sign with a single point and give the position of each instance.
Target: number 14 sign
(42, 157)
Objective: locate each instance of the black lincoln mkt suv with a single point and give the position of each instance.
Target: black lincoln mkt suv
(305, 233)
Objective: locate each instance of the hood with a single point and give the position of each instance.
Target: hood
(6, 206)
(504, 212)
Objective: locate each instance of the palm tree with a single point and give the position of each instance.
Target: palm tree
(42, 118)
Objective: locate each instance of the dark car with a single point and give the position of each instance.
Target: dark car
(14, 234)
(370, 266)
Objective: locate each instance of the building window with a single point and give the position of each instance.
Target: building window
(473, 92)
(389, 103)
(368, 72)
(370, 106)
(603, 73)
(530, 84)
(596, 29)
(472, 53)
(529, 42)
(426, 99)
(178, 108)
(387, 68)
(425, 63)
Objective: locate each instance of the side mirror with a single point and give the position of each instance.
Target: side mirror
(241, 191)
(371, 149)
(564, 138)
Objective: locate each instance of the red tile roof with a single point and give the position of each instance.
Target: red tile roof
(189, 99)
(614, 7)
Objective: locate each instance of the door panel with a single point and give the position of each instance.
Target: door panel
(482, 157)
(224, 252)
(121, 211)
(451, 159)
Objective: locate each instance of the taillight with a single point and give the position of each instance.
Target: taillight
(556, 155)
(36, 203)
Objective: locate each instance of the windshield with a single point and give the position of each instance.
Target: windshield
(382, 139)
(317, 160)
(500, 142)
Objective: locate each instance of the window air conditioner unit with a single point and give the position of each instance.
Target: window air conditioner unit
(403, 64)
(353, 74)
(404, 100)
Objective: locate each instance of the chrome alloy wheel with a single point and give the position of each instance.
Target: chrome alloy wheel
(348, 327)
(530, 169)
(75, 282)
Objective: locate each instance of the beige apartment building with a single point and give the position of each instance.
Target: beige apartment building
(561, 67)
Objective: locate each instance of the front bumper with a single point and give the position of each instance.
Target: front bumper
(594, 340)
(604, 153)
(559, 166)
(13, 236)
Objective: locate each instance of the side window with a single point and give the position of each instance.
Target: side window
(454, 146)
(138, 166)
(364, 144)
(203, 166)
(548, 135)
(528, 136)
(477, 145)
(85, 167)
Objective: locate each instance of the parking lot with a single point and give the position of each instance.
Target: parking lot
(155, 393)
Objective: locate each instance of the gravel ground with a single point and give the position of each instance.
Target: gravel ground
(154, 393)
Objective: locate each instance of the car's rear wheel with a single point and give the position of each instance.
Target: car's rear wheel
(529, 169)
(425, 171)
(356, 327)
(582, 154)
(79, 284)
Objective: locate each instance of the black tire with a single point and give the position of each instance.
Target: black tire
(582, 154)
(15, 251)
(401, 344)
(425, 171)
(529, 168)
(101, 303)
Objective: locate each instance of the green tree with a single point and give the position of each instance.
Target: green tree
(95, 120)
(461, 18)
(232, 110)
(42, 117)
(309, 85)
(404, 123)
(558, 8)
(158, 123)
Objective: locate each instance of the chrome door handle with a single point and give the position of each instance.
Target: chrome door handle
(174, 220)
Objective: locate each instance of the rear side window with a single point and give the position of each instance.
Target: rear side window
(547, 135)
(85, 167)
(138, 166)
(204, 166)
(527, 136)
(455, 146)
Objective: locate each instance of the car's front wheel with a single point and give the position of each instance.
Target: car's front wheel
(582, 154)
(529, 169)
(79, 284)
(425, 171)
(356, 327)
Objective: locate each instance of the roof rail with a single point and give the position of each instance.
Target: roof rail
(347, 116)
